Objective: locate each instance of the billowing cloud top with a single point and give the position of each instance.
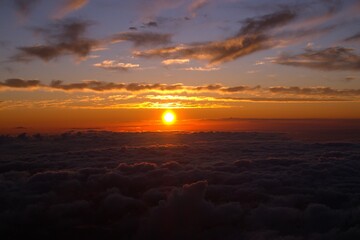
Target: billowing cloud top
(214, 185)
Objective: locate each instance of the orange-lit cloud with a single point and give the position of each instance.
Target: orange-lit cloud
(182, 95)
(114, 65)
(69, 6)
(175, 61)
(252, 37)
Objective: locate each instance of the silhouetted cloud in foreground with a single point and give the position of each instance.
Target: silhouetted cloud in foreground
(207, 185)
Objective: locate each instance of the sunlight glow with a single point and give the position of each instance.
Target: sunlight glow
(168, 117)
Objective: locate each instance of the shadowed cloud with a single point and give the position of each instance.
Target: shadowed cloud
(329, 59)
(140, 39)
(252, 37)
(353, 38)
(63, 38)
(24, 7)
(101, 86)
(19, 83)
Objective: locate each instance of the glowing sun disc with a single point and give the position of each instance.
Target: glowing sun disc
(168, 117)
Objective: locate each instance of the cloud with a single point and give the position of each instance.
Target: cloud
(329, 59)
(182, 185)
(196, 5)
(24, 7)
(70, 6)
(251, 38)
(19, 83)
(63, 38)
(353, 38)
(202, 69)
(114, 65)
(325, 91)
(140, 39)
(150, 24)
(266, 22)
(252, 93)
(175, 61)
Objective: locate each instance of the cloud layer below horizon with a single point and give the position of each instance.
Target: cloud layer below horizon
(209, 185)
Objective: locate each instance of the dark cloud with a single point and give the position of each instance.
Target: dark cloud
(175, 185)
(276, 93)
(140, 39)
(63, 38)
(353, 38)
(196, 5)
(20, 83)
(24, 7)
(252, 37)
(329, 59)
(266, 22)
(151, 24)
(325, 91)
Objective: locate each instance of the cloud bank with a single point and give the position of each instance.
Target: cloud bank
(100, 86)
(208, 185)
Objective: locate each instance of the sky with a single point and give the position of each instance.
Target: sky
(91, 63)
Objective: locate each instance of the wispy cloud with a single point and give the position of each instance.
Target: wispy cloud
(24, 7)
(20, 83)
(196, 5)
(63, 38)
(68, 6)
(252, 37)
(175, 61)
(115, 65)
(101, 86)
(353, 38)
(329, 59)
(140, 39)
(201, 69)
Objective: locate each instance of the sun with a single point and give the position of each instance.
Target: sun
(168, 117)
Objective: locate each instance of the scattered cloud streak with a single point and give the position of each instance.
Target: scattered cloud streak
(353, 38)
(175, 61)
(20, 83)
(256, 91)
(63, 38)
(251, 38)
(114, 65)
(196, 5)
(24, 7)
(329, 59)
(70, 6)
(140, 39)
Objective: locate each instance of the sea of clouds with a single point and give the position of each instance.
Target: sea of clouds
(206, 185)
